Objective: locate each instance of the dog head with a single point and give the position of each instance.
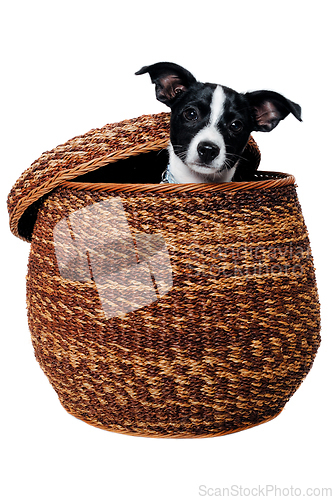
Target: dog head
(210, 124)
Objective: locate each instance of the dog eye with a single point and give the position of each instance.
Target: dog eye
(236, 126)
(190, 114)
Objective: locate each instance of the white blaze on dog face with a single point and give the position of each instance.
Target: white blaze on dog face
(209, 134)
(217, 106)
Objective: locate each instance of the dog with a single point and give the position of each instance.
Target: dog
(210, 124)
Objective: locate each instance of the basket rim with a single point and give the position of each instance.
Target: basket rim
(91, 151)
(264, 180)
(80, 155)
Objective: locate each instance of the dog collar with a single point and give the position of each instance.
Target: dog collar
(167, 177)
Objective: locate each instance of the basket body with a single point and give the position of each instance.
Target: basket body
(172, 314)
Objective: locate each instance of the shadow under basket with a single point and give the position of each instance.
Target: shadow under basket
(164, 310)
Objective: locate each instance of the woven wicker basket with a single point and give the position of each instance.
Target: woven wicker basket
(164, 310)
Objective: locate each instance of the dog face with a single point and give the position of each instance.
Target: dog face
(208, 132)
(210, 124)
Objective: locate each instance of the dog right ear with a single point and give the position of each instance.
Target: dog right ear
(170, 80)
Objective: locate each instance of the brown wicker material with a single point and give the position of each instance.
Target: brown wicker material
(168, 310)
(83, 154)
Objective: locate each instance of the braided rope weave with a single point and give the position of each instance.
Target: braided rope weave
(223, 350)
(86, 153)
(234, 325)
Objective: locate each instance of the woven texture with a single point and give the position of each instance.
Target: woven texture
(83, 154)
(164, 310)
(86, 153)
(221, 349)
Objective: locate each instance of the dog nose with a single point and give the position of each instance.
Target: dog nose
(207, 151)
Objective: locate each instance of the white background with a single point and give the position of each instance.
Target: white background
(67, 67)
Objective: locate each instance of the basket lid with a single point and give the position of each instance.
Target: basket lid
(86, 153)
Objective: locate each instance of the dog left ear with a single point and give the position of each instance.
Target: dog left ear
(269, 108)
(170, 80)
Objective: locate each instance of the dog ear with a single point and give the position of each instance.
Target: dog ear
(269, 108)
(170, 80)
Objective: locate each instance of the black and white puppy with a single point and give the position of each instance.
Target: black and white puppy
(210, 124)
